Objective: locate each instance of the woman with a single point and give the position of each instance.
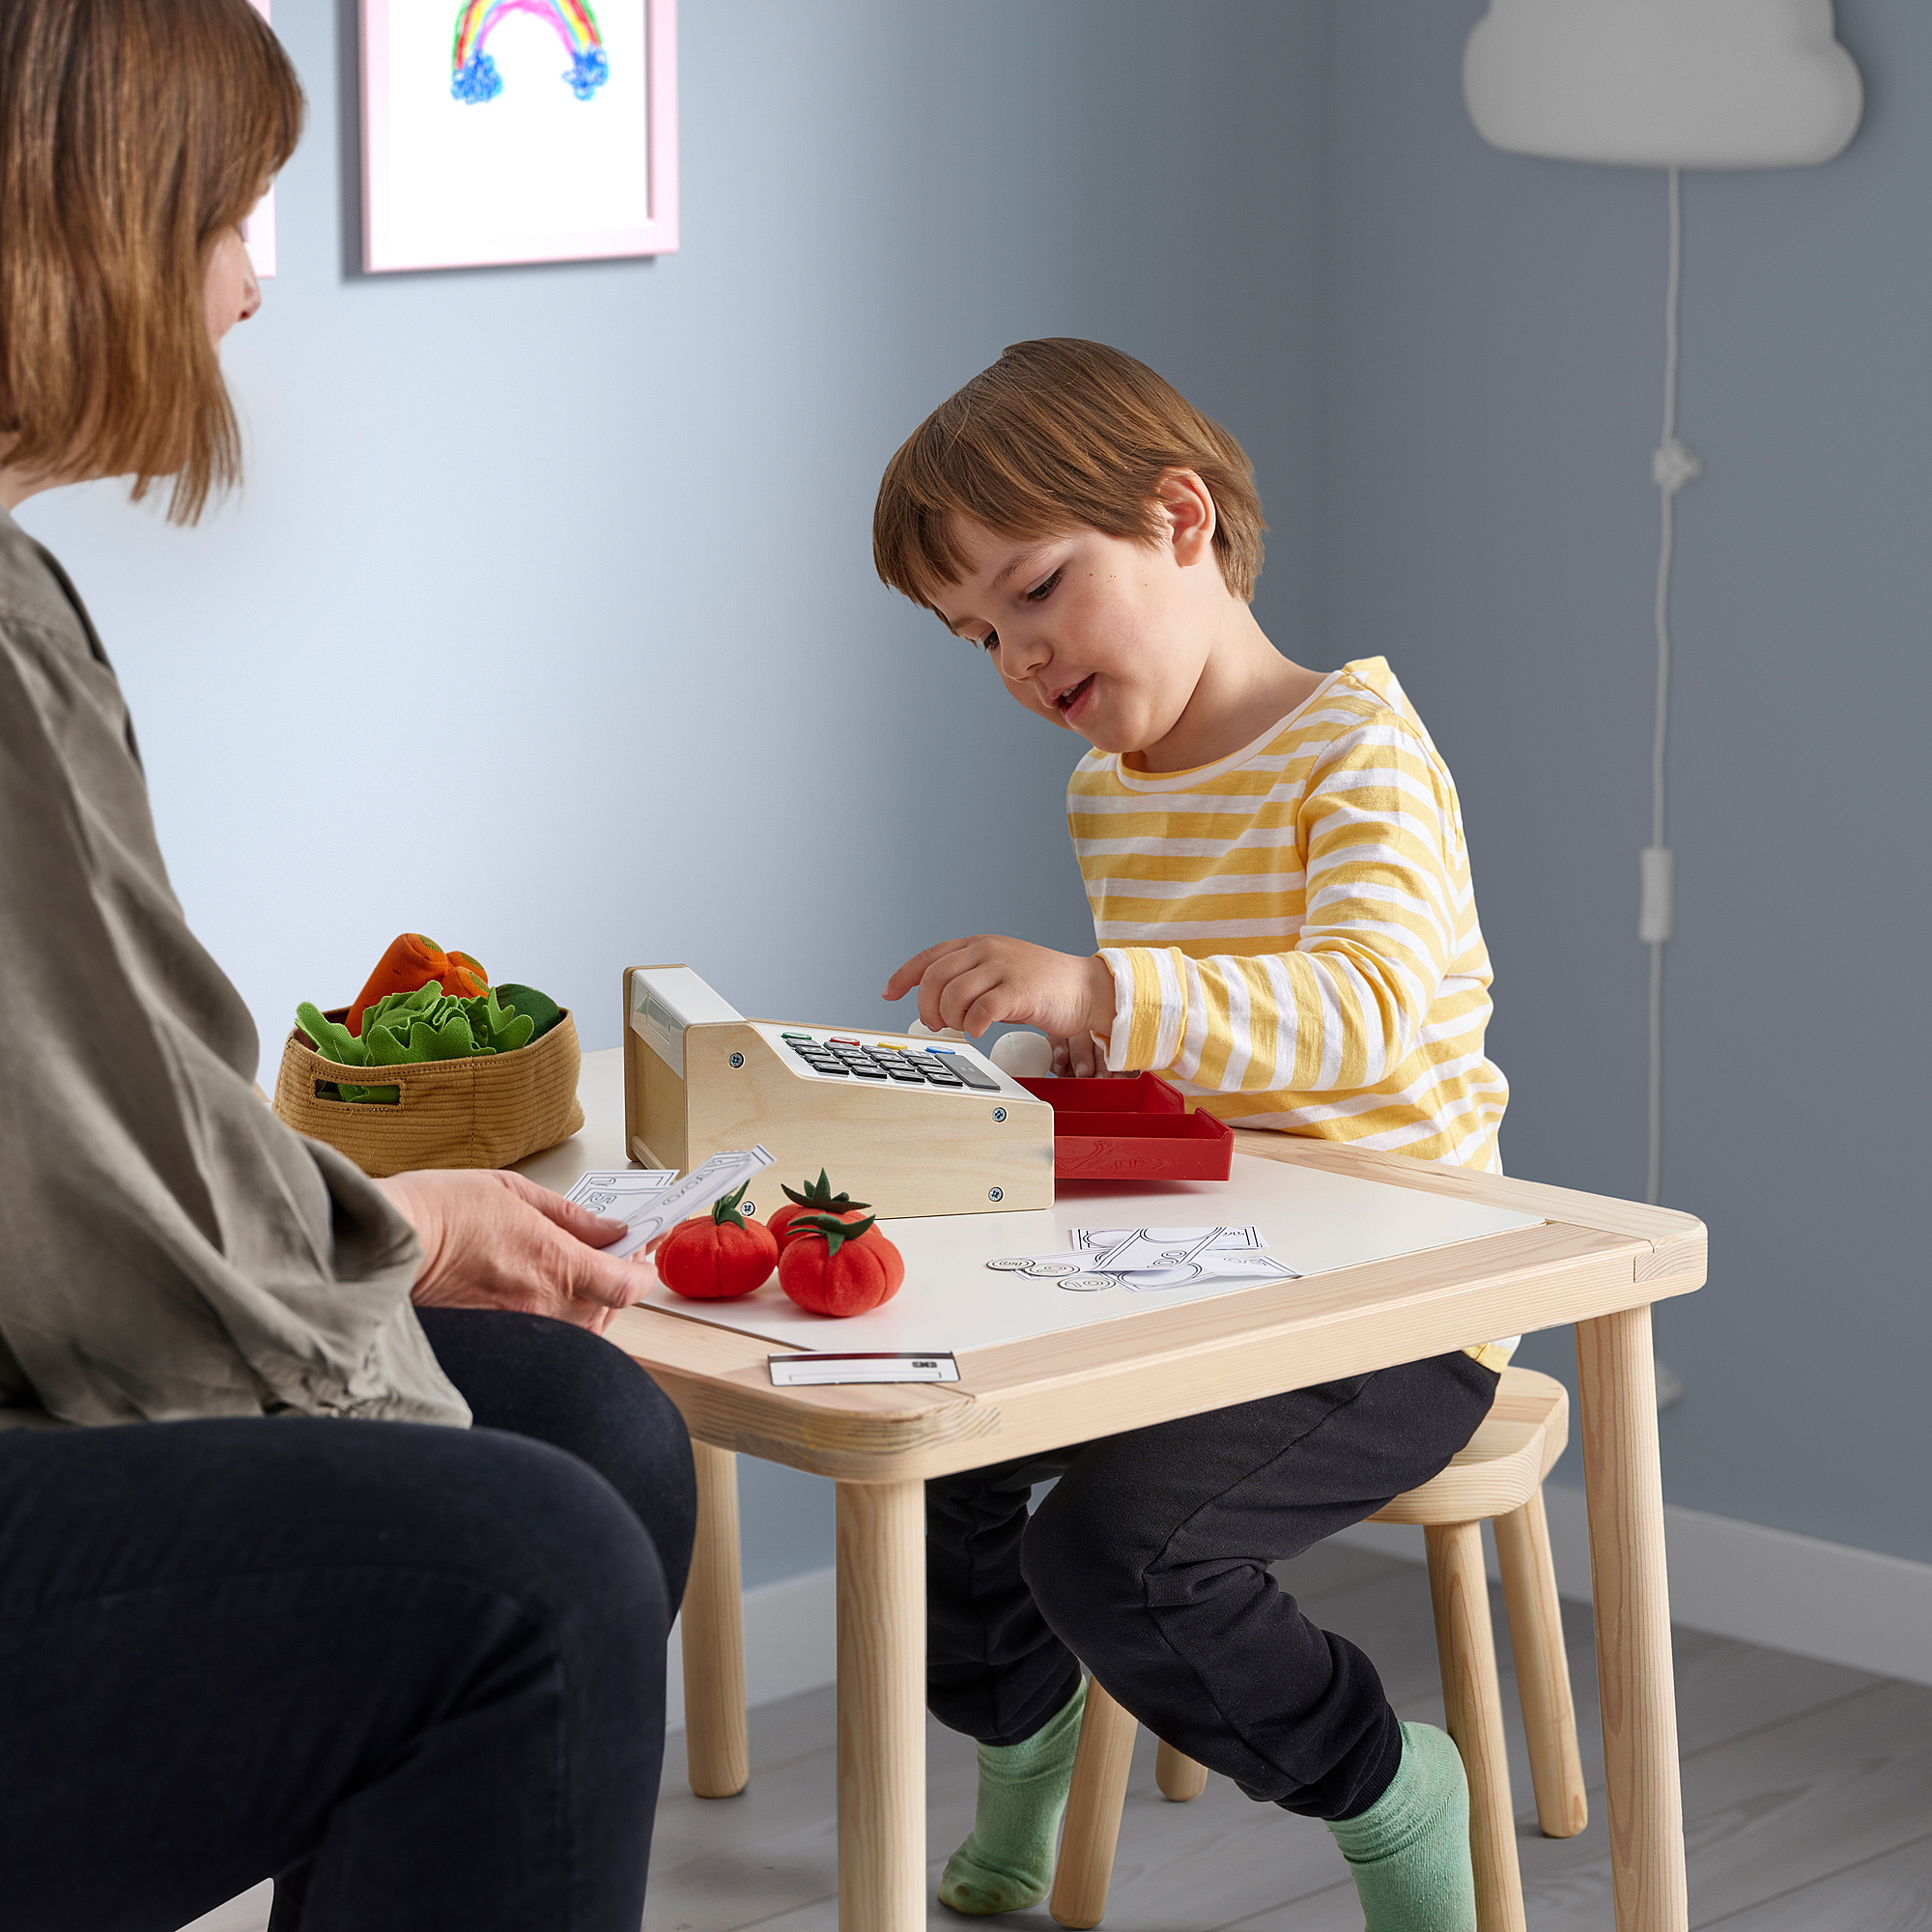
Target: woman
(412, 1668)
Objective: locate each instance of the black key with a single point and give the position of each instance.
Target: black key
(944, 1080)
(866, 1072)
(838, 1072)
(906, 1076)
(971, 1074)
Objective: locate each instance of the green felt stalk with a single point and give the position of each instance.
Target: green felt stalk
(837, 1232)
(725, 1211)
(819, 1197)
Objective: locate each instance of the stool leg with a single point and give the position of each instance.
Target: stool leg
(1465, 1648)
(712, 1628)
(1092, 1829)
(1176, 1773)
(1541, 1669)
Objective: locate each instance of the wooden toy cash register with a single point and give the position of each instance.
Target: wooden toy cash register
(914, 1126)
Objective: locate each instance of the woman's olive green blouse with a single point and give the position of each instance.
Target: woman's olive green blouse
(168, 1248)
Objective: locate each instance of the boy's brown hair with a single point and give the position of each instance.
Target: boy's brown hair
(1056, 435)
(132, 133)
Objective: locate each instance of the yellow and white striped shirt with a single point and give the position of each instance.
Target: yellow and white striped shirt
(1292, 932)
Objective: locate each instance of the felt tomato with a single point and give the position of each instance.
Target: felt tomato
(719, 1257)
(817, 1199)
(837, 1266)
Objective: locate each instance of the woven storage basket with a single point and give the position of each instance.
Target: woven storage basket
(487, 1110)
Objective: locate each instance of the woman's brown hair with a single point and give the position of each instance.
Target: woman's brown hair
(132, 133)
(1058, 434)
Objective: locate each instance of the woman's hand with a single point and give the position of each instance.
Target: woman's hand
(973, 984)
(496, 1241)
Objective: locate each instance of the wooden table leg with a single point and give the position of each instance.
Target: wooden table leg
(1623, 1480)
(712, 1628)
(881, 1549)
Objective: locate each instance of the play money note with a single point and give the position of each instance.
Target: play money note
(1117, 1250)
(650, 1216)
(615, 1194)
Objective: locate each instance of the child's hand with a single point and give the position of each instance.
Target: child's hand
(973, 984)
(1079, 1059)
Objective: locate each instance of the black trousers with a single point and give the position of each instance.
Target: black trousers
(1148, 1563)
(424, 1668)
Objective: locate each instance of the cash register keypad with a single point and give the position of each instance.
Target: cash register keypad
(843, 1057)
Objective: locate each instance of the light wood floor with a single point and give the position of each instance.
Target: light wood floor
(1807, 1792)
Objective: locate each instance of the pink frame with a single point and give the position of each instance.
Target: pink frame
(657, 236)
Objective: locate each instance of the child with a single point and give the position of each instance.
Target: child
(1275, 863)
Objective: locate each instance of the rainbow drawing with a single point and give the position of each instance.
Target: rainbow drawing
(473, 75)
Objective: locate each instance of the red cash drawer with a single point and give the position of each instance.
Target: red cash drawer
(1137, 1129)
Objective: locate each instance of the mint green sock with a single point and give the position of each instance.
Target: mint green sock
(1410, 1849)
(1007, 1860)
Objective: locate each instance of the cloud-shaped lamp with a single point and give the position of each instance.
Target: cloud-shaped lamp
(1662, 83)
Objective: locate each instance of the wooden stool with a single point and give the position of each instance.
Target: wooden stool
(1499, 1477)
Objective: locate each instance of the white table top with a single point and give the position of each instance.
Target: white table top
(1311, 1220)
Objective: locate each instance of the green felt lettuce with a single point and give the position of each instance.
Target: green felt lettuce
(538, 1006)
(410, 1028)
(338, 1044)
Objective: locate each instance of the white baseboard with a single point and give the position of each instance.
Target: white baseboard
(1736, 1579)
(1740, 1579)
(790, 1643)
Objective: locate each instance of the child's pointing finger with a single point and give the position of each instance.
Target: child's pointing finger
(914, 970)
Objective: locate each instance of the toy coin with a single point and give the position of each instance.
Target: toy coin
(1051, 1270)
(1087, 1284)
(1011, 1263)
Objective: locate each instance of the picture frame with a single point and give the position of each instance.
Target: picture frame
(478, 150)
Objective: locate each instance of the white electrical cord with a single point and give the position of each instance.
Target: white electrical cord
(1671, 467)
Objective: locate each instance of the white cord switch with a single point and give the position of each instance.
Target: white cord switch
(1653, 917)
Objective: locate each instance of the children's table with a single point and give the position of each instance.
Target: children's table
(1587, 1261)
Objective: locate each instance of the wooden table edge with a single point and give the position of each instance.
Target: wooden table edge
(1199, 1356)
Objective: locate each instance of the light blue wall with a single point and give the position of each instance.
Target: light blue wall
(547, 625)
(1494, 363)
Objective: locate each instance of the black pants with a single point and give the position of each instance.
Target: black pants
(1149, 1564)
(430, 1660)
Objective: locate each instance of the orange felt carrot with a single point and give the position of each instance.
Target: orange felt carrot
(413, 960)
(463, 978)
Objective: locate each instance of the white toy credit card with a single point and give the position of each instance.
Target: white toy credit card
(813, 1370)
